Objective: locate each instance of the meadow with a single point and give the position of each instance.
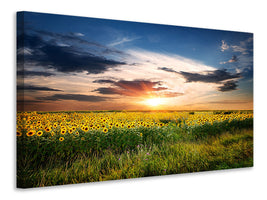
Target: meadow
(57, 148)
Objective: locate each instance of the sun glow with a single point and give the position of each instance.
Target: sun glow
(154, 102)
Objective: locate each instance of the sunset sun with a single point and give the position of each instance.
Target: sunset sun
(154, 102)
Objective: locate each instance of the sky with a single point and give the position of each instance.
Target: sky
(79, 63)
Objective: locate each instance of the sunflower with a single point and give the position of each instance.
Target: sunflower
(30, 133)
(105, 130)
(48, 129)
(63, 131)
(61, 139)
(39, 133)
(86, 128)
(19, 133)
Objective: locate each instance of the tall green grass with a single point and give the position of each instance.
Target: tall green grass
(123, 153)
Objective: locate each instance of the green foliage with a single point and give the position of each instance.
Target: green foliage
(131, 153)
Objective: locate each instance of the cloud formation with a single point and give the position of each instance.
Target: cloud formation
(76, 97)
(26, 73)
(232, 60)
(135, 88)
(64, 52)
(215, 76)
(35, 88)
(228, 86)
(224, 46)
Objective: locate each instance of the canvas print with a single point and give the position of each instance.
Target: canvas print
(101, 99)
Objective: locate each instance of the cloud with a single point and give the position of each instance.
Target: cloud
(64, 52)
(66, 59)
(232, 60)
(167, 69)
(244, 47)
(103, 81)
(78, 34)
(26, 73)
(228, 102)
(228, 86)
(35, 88)
(24, 101)
(224, 46)
(76, 97)
(121, 41)
(135, 88)
(243, 57)
(216, 76)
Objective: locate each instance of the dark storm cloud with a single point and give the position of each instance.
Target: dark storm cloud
(108, 90)
(33, 73)
(66, 59)
(76, 97)
(167, 69)
(131, 88)
(104, 81)
(35, 88)
(216, 76)
(139, 85)
(228, 86)
(64, 52)
(22, 101)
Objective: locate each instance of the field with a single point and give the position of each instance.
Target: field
(55, 148)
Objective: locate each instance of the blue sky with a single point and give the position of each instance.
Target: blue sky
(70, 60)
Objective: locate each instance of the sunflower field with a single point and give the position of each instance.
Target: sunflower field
(74, 147)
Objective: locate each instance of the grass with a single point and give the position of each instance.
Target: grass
(169, 150)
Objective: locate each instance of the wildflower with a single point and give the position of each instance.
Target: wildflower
(70, 131)
(48, 129)
(19, 133)
(39, 133)
(105, 130)
(61, 139)
(30, 133)
(141, 134)
(86, 128)
(63, 131)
